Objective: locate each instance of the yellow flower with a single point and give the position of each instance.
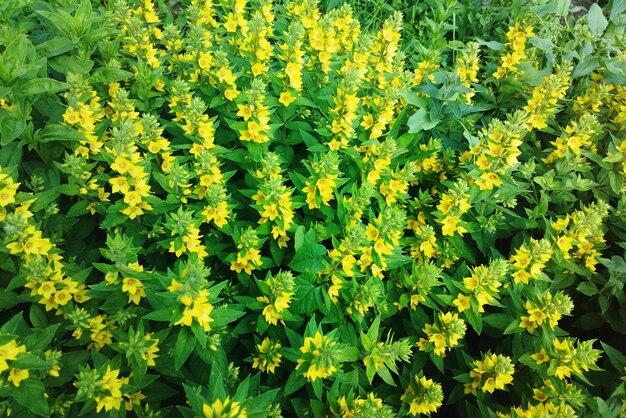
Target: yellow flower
(225, 409)
(450, 226)
(489, 385)
(488, 180)
(16, 376)
(462, 302)
(536, 315)
(423, 395)
(563, 371)
(269, 357)
(205, 60)
(121, 165)
(71, 116)
(113, 386)
(317, 357)
(134, 288)
(540, 357)
(286, 98)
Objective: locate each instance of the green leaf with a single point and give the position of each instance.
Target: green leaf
(185, 342)
(474, 320)
(55, 46)
(587, 288)
(543, 44)
(10, 127)
(617, 359)
(68, 189)
(421, 121)
(113, 219)
(308, 295)
(585, 67)
(562, 7)
(618, 7)
(603, 409)
(615, 73)
(14, 56)
(347, 353)
(30, 393)
(56, 132)
(62, 21)
(294, 382)
(11, 155)
(42, 85)
(83, 16)
(513, 328)
(78, 209)
(595, 20)
(44, 199)
(438, 362)
(40, 338)
(496, 46)
(224, 315)
(108, 75)
(498, 320)
(31, 361)
(383, 372)
(411, 98)
(309, 254)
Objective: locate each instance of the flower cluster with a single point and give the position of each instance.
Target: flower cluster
(483, 285)
(273, 200)
(317, 358)
(248, 257)
(191, 191)
(545, 98)
(371, 406)
(423, 396)
(517, 38)
(546, 308)
(9, 352)
(580, 234)
(563, 358)
(324, 176)
(224, 409)
(530, 259)
(493, 372)
(269, 356)
(278, 292)
(442, 335)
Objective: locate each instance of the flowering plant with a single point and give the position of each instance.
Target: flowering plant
(251, 208)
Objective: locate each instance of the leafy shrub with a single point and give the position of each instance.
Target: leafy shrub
(249, 209)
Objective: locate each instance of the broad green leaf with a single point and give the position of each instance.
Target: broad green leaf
(595, 20)
(55, 46)
(185, 342)
(542, 43)
(31, 394)
(617, 359)
(62, 21)
(42, 85)
(56, 132)
(14, 55)
(618, 7)
(562, 7)
(10, 127)
(294, 382)
(587, 288)
(585, 67)
(108, 75)
(421, 121)
(309, 254)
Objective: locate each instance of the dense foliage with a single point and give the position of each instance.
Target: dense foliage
(251, 208)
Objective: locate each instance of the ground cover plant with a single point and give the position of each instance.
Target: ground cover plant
(257, 208)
